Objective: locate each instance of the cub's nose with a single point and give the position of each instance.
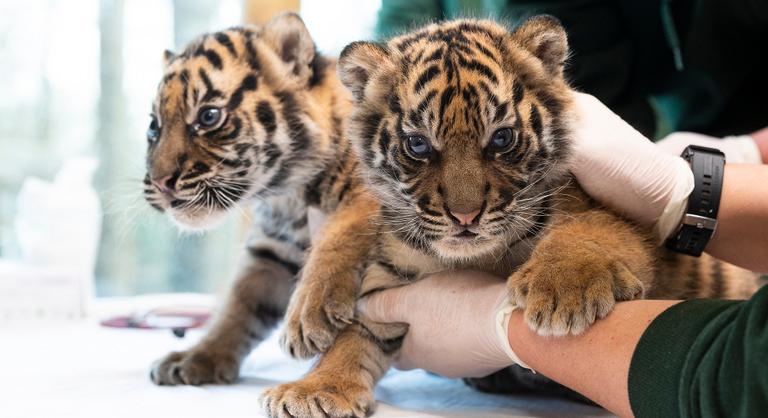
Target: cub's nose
(165, 184)
(465, 218)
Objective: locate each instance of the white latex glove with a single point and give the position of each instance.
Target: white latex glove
(737, 149)
(457, 323)
(622, 169)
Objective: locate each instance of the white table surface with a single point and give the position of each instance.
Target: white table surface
(78, 369)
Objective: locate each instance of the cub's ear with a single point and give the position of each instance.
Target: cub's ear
(168, 56)
(545, 38)
(287, 35)
(357, 63)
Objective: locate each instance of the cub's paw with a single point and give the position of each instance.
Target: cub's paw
(318, 397)
(315, 317)
(564, 296)
(195, 367)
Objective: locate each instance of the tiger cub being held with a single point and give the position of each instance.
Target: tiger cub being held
(463, 130)
(250, 113)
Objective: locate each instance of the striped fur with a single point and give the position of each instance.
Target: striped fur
(277, 144)
(463, 131)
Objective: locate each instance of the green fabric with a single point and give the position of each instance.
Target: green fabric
(703, 358)
(398, 16)
(629, 54)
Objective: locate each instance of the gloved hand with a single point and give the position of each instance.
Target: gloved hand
(458, 323)
(625, 171)
(761, 139)
(618, 166)
(737, 149)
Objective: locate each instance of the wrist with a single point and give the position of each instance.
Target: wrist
(520, 337)
(503, 322)
(700, 216)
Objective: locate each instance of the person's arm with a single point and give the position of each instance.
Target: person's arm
(741, 149)
(650, 358)
(622, 169)
(741, 237)
(647, 358)
(598, 360)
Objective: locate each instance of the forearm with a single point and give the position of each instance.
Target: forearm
(742, 232)
(595, 363)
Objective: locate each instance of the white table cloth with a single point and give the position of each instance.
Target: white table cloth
(79, 369)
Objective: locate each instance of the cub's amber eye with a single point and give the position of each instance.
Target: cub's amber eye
(209, 117)
(501, 139)
(153, 131)
(418, 146)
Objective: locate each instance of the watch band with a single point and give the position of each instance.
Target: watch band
(700, 219)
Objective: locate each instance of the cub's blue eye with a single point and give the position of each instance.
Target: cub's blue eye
(209, 116)
(153, 131)
(502, 138)
(419, 146)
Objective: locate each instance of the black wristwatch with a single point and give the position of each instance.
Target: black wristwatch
(700, 219)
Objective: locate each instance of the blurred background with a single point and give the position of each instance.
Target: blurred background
(78, 78)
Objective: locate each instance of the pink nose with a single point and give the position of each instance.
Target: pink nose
(466, 218)
(164, 184)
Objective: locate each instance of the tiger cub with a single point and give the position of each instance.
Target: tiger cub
(249, 114)
(464, 132)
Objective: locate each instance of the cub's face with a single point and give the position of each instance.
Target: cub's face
(226, 121)
(462, 128)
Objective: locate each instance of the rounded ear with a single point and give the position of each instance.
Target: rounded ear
(545, 38)
(287, 35)
(168, 56)
(357, 63)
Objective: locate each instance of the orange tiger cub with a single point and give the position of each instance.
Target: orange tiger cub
(463, 131)
(250, 114)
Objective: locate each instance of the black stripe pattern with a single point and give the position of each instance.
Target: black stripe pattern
(455, 84)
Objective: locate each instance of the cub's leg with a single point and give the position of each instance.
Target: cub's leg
(342, 383)
(580, 268)
(257, 301)
(324, 300)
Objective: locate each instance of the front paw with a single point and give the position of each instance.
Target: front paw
(318, 397)
(315, 317)
(563, 296)
(195, 367)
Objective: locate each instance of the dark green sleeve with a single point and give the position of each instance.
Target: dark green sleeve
(703, 358)
(397, 16)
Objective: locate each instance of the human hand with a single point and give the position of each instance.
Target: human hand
(457, 323)
(737, 149)
(618, 166)
(761, 139)
(648, 183)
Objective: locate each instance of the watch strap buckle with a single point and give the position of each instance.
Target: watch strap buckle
(700, 222)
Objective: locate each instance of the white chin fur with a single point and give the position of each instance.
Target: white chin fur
(463, 250)
(197, 223)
